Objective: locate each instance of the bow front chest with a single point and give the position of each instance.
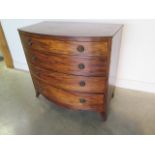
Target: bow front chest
(73, 64)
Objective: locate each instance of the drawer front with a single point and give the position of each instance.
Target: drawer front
(87, 66)
(79, 101)
(71, 82)
(66, 47)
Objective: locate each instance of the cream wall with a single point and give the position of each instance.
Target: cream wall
(137, 56)
(10, 29)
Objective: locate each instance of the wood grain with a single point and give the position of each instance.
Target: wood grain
(94, 66)
(72, 30)
(70, 82)
(73, 68)
(71, 100)
(66, 47)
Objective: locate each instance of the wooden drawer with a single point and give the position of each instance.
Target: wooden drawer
(75, 65)
(71, 82)
(89, 48)
(73, 100)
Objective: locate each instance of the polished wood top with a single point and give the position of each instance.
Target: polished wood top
(73, 29)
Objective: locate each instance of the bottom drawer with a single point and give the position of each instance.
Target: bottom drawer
(79, 101)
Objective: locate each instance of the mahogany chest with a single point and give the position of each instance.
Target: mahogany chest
(73, 64)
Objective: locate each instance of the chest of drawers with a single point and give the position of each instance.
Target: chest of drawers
(73, 64)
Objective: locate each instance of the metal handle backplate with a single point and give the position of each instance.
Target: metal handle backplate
(82, 83)
(81, 66)
(80, 48)
(82, 100)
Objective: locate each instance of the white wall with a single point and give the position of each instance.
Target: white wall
(137, 58)
(10, 29)
(137, 55)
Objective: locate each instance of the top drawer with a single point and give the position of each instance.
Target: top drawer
(96, 48)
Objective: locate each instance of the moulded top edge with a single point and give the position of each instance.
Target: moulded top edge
(73, 29)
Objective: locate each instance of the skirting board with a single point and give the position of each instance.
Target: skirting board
(136, 85)
(21, 66)
(123, 83)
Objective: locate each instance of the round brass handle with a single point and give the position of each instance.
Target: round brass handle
(30, 42)
(82, 83)
(80, 48)
(81, 66)
(82, 100)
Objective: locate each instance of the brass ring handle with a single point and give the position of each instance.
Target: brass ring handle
(81, 66)
(82, 83)
(80, 48)
(82, 100)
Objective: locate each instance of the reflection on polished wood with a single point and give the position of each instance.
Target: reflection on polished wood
(74, 65)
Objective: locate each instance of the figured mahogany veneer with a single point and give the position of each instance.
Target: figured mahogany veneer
(73, 64)
(70, 82)
(92, 66)
(67, 47)
(73, 100)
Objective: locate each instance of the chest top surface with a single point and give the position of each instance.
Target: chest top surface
(73, 29)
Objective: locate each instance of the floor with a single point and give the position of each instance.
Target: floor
(131, 112)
